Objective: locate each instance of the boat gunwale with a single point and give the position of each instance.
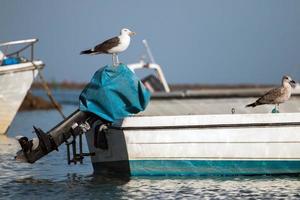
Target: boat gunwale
(208, 121)
(27, 66)
(261, 125)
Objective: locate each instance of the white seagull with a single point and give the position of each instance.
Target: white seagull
(112, 46)
(278, 95)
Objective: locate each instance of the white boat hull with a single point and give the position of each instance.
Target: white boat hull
(15, 81)
(241, 144)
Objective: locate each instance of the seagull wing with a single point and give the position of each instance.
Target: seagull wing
(271, 96)
(106, 45)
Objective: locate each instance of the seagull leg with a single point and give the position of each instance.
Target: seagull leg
(275, 110)
(114, 59)
(117, 59)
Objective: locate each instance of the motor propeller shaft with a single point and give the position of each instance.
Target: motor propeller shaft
(33, 150)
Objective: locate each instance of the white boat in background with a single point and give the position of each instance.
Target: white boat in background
(16, 77)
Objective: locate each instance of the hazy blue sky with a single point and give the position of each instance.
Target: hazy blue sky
(209, 42)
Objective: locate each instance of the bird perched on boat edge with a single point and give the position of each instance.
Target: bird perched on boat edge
(276, 96)
(112, 46)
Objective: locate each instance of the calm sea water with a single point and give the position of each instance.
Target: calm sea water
(52, 177)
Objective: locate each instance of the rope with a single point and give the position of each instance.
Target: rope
(48, 91)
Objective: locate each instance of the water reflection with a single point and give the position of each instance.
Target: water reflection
(76, 186)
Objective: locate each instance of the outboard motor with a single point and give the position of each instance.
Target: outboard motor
(75, 125)
(113, 93)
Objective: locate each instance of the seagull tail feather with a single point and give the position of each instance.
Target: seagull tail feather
(252, 105)
(89, 51)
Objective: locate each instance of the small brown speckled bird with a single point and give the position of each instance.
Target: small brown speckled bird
(278, 95)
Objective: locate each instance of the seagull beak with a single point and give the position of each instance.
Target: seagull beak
(293, 83)
(132, 33)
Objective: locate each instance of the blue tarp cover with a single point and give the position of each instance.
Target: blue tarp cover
(114, 93)
(10, 61)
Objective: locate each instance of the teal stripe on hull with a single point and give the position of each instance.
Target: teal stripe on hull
(211, 167)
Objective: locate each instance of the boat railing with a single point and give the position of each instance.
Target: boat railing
(143, 65)
(29, 43)
(151, 65)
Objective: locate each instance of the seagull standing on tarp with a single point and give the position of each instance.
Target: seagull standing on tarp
(112, 46)
(277, 95)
